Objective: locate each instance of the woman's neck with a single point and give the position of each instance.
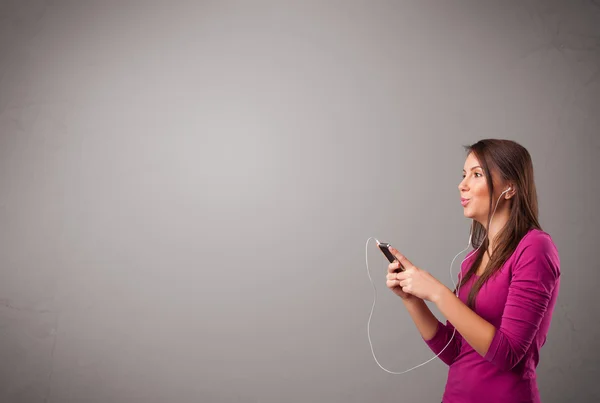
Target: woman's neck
(498, 222)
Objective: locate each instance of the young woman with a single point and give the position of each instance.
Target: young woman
(507, 286)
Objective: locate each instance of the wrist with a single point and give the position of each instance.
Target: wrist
(440, 294)
(412, 301)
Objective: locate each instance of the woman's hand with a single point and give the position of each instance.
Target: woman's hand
(394, 284)
(412, 281)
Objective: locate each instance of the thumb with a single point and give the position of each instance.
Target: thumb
(401, 258)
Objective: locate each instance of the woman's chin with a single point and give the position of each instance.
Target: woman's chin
(472, 216)
(468, 213)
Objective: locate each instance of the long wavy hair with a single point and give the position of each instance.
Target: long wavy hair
(503, 160)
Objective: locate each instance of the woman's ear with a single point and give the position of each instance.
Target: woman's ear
(511, 191)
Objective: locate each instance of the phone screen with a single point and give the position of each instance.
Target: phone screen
(384, 246)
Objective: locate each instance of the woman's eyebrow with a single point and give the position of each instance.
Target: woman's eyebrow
(473, 168)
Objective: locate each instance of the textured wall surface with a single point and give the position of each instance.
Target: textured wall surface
(186, 189)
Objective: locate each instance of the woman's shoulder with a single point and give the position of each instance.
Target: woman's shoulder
(538, 247)
(538, 241)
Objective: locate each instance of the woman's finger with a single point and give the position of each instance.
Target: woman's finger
(400, 257)
(392, 267)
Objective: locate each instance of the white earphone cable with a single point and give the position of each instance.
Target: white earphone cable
(451, 278)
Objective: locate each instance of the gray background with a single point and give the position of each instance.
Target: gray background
(186, 189)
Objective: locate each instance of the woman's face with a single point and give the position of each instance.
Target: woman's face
(473, 189)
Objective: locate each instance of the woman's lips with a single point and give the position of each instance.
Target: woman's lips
(464, 201)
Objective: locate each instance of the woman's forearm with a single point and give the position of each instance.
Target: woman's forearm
(424, 319)
(473, 328)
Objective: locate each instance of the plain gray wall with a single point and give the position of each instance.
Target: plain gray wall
(186, 189)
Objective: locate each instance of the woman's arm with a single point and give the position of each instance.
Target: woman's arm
(434, 333)
(473, 328)
(424, 319)
(534, 281)
(532, 285)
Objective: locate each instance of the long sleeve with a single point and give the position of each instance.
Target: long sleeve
(440, 340)
(444, 331)
(534, 278)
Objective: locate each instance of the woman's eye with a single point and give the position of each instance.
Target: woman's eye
(477, 175)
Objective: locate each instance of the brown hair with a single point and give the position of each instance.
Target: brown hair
(505, 160)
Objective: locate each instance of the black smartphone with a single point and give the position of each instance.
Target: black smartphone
(384, 246)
